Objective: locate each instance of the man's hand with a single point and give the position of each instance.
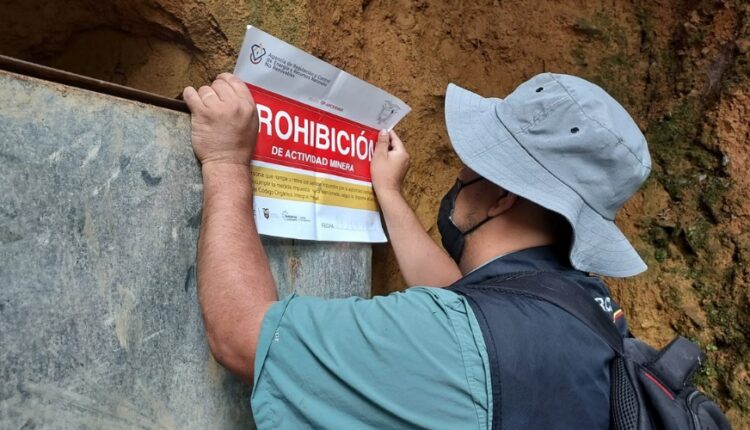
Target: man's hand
(224, 121)
(390, 161)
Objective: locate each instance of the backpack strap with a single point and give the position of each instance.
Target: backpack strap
(564, 293)
(677, 362)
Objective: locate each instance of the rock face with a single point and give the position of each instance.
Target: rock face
(100, 318)
(99, 216)
(682, 68)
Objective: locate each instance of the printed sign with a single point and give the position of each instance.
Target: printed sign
(318, 128)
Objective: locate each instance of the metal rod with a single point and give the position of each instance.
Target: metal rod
(33, 70)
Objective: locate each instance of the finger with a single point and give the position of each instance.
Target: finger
(208, 95)
(396, 143)
(381, 148)
(223, 90)
(193, 100)
(239, 87)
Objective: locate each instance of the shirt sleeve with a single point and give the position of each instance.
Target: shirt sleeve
(407, 360)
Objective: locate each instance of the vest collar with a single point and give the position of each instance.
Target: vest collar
(539, 259)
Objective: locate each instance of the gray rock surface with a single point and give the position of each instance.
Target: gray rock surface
(99, 215)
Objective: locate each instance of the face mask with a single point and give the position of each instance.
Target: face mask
(452, 237)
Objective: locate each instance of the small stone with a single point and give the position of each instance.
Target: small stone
(692, 313)
(695, 18)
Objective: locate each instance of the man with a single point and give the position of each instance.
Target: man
(545, 171)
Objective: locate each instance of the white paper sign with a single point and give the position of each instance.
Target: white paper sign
(318, 129)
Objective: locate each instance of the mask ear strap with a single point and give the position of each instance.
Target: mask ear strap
(466, 184)
(469, 231)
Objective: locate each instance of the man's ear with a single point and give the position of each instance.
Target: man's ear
(502, 204)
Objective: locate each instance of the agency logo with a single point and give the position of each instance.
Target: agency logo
(288, 217)
(256, 53)
(266, 213)
(388, 110)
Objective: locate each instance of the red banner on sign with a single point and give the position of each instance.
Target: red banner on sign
(297, 135)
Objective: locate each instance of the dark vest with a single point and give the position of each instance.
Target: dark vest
(548, 370)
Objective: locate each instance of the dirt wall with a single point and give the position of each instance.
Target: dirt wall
(682, 68)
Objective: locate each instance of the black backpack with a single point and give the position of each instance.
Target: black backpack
(650, 389)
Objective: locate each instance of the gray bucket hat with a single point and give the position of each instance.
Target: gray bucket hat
(566, 145)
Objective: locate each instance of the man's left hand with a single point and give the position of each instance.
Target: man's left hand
(390, 162)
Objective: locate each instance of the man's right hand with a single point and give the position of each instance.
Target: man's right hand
(224, 121)
(389, 165)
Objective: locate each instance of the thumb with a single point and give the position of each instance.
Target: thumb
(381, 148)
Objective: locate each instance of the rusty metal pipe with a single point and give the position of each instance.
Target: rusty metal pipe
(33, 70)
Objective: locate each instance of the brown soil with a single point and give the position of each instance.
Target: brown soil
(682, 68)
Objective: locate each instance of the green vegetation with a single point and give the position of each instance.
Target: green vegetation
(688, 235)
(613, 71)
(286, 20)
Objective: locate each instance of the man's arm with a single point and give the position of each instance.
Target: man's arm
(235, 285)
(421, 260)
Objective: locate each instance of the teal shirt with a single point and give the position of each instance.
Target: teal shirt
(414, 359)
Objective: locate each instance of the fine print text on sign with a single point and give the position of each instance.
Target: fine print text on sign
(318, 128)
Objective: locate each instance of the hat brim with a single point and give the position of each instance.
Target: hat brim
(484, 145)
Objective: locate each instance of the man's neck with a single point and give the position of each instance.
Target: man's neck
(481, 249)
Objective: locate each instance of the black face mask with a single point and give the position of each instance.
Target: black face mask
(452, 237)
